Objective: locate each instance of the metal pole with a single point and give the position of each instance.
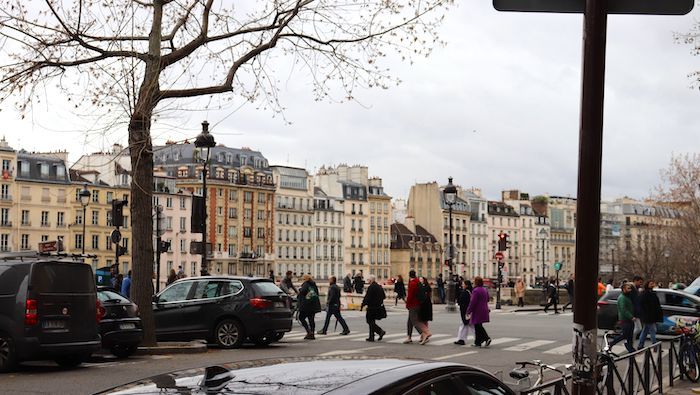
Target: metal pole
(158, 251)
(450, 283)
(544, 290)
(613, 267)
(205, 265)
(556, 299)
(588, 198)
(498, 286)
(84, 219)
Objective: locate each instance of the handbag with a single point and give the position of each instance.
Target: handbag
(381, 313)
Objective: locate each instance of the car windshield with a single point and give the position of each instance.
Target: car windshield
(266, 288)
(111, 297)
(693, 287)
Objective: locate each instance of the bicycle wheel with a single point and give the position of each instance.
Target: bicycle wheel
(689, 362)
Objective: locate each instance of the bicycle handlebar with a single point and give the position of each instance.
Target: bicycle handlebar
(539, 365)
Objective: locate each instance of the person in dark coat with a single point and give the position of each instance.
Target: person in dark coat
(399, 290)
(347, 284)
(552, 295)
(463, 300)
(440, 283)
(359, 283)
(649, 312)
(374, 300)
(570, 292)
(333, 308)
(425, 313)
(309, 304)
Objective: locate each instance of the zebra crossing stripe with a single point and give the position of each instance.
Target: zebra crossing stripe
(459, 354)
(529, 345)
(434, 336)
(393, 335)
(502, 340)
(567, 348)
(441, 342)
(338, 336)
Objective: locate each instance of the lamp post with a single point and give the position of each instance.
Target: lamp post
(542, 235)
(450, 195)
(612, 255)
(667, 254)
(84, 200)
(204, 142)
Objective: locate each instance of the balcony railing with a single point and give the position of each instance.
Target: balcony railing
(6, 224)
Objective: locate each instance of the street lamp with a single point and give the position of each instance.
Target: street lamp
(612, 255)
(667, 254)
(542, 235)
(84, 200)
(204, 142)
(450, 195)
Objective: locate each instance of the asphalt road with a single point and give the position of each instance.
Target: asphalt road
(516, 336)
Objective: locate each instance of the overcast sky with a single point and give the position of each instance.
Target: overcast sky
(497, 108)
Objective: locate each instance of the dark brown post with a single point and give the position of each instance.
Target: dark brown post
(588, 199)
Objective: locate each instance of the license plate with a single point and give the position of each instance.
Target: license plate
(280, 304)
(53, 324)
(128, 325)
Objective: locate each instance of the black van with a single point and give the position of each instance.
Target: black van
(48, 310)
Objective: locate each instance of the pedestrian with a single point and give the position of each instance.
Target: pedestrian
(272, 275)
(309, 304)
(570, 292)
(609, 286)
(478, 312)
(440, 287)
(171, 277)
(649, 313)
(637, 282)
(126, 285)
(180, 272)
(399, 290)
(333, 308)
(425, 314)
(287, 285)
(463, 300)
(347, 284)
(520, 292)
(552, 296)
(359, 283)
(625, 314)
(413, 306)
(374, 300)
(601, 287)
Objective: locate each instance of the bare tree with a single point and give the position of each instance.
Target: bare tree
(135, 57)
(680, 189)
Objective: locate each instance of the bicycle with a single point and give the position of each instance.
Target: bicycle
(606, 358)
(689, 352)
(522, 375)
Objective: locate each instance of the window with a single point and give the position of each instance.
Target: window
(169, 202)
(78, 241)
(247, 197)
(95, 217)
(24, 245)
(60, 218)
(95, 196)
(183, 224)
(25, 217)
(247, 231)
(177, 292)
(110, 197)
(95, 242)
(44, 218)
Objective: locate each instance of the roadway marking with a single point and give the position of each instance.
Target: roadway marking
(454, 355)
(385, 337)
(441, 342)
(529, 345)
(345, 352)
(567, 348)
(434, 336)
(502, 340)
(336, 337)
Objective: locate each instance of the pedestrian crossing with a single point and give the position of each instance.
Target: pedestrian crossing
(509, 344)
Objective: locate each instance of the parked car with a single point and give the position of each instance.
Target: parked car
(676, 305)
(225, 310)
(319, 375)
(120, 327)
(48, 310)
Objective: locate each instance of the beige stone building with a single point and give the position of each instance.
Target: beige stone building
(380, 216)
(542, 239)
(413, 247)
(503, 218)
(562, 220)
(525, 247)
(427, 207)
(328, 231)
(480, 263)
(294, 223)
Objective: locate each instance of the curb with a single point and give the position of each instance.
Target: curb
(193, 347)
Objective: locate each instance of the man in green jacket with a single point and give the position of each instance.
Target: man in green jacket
(625, 313)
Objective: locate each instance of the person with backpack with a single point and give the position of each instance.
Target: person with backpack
(463, 301)
(309, 304)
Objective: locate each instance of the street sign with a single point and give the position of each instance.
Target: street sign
(48, 246)
(499, 255)
(557, 266)
(116, 236)
(652, 7)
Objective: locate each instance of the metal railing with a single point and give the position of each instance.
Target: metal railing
(640, 372)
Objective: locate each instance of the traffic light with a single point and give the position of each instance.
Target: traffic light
(118, 212)
(121, 250)
(557, 266)
(502, 241)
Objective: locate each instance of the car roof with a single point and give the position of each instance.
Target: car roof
(616, 292)
(296, 375)
(225, 277)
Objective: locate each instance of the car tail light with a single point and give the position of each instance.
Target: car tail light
(260, 303)
(100, 311)
(31, 317)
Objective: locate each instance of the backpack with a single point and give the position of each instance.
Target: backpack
(312, 294)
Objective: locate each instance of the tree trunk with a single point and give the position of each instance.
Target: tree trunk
(141, 151)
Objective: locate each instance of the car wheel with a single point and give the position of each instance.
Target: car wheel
(7, 353)
(71, 361)
(123, 350)
(228, 333)
(279, 336)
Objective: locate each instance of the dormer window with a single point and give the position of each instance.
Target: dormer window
(24, 167)
(44, 168)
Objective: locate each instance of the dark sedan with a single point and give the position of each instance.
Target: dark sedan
(677, 306)
(120, 327)
(319, 375)
(225, 310)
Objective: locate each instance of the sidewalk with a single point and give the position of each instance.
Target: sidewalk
(683, 387)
